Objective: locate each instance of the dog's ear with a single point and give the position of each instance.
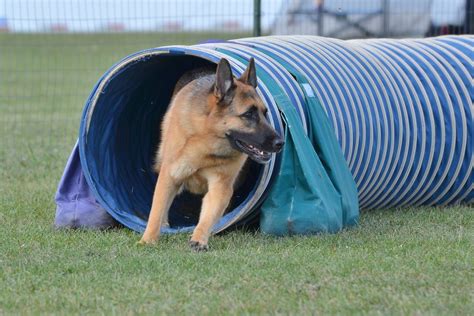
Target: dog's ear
(224, 82)
(250, 75)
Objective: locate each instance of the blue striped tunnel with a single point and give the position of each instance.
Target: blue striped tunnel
(402, 112)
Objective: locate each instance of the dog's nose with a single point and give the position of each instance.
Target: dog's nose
(278, 144)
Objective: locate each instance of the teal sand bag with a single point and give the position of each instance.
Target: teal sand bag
(314, 191)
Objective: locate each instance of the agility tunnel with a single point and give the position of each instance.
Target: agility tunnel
(397, 114)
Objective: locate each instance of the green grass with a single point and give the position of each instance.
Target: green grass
(413, 261)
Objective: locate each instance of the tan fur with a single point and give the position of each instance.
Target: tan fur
(196, 155)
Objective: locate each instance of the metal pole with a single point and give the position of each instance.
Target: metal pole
(320, 17)
(385, 18)
(257, 17)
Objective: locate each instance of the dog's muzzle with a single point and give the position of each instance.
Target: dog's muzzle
(258, 152)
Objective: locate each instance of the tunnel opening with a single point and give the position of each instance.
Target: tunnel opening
(123, 134)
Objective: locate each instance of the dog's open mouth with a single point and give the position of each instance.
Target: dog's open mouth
(253, 152)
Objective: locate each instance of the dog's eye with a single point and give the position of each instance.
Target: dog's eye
(250, 114)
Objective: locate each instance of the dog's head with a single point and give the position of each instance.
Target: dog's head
(242, 113)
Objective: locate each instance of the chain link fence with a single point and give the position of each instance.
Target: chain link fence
(52, 52)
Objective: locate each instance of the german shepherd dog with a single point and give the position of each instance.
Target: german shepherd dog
(213, 124)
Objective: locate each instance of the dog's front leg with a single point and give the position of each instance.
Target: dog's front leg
(214, 203)
(165, 192)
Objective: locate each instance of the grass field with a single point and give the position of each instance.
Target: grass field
(412, 261)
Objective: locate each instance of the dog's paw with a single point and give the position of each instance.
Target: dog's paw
(145, 241)
(165, 225)
(198, 246)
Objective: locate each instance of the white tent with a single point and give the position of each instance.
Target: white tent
(354, 18)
